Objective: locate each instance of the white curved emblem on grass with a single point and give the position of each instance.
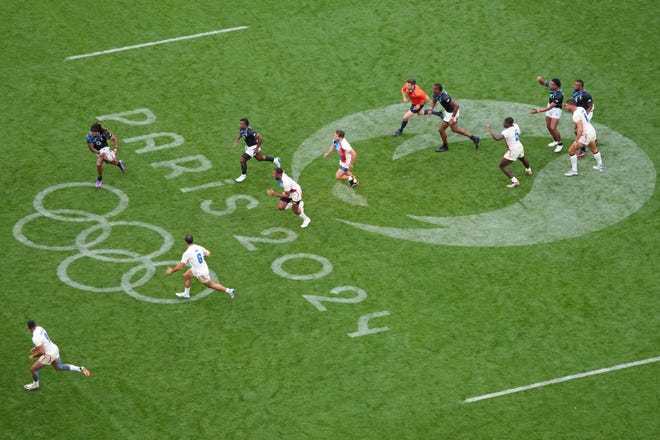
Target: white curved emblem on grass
(555, 208)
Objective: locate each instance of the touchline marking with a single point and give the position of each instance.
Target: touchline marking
(154, 43)
(562, 379)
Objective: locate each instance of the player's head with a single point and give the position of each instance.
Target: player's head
(277, 173)
(244, 123)
(31, 324)
(340, 134)
(508, 122)
(578, 85)
(437, 88)
(570, 105)
(189, 239)
(555, 83)
(411, 83)
(96, 128)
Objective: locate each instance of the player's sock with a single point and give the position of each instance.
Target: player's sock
(599, 160)
(514, 180)
(186, 291)
(244, 168)
(98, 179)
(270, 159)
(73, 368)
(403, 125)
(473, 138)
(288, 206)
(303, 216)
(573, 162)
(36, 375)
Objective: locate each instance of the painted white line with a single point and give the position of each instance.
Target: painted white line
(562, 379)
(154, 43)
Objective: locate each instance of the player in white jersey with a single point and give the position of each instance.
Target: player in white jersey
(49, 354)
(291, 197)
(195, 257)
(585, 135)
(514, 149)
(347, 157)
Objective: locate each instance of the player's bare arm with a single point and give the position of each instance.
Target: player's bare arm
(541, 80)
(353, 155)
(496, 136)
(92, 149)
(259, 140)
(178, 267)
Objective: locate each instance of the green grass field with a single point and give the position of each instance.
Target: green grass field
(508, 287)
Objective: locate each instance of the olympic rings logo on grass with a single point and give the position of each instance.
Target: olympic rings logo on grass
(103, 227)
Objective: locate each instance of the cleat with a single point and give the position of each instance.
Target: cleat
(231, 293)
(476, 142)
(85, 371)
(513, 184)
(306, 222)
(599, 168)
(528, 171)
(442, 149)
(581, 154)
(120, 164)
(31, 386)
(397, 133)
(553, 144)
(99, 183)
(571, 173)
(354, 183)
(559, 147)
(277, 162)
(241, 178)
(182, 295)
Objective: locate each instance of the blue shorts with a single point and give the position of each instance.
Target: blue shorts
(412, 108)
(344, 169)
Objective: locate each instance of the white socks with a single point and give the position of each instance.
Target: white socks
(574, 159)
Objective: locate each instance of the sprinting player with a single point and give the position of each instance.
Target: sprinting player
(48, 353)
(97, 142)
(252, 147)
(347, 157)
(450, 117)
(585, 135)
(584, 100)
(194, 257)
(291, 197)
(552, 110)
(411, 91)
(514, 149)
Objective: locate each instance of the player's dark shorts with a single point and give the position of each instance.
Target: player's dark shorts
(288, 200)
(412, 108)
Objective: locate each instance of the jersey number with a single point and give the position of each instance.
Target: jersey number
(200, 260)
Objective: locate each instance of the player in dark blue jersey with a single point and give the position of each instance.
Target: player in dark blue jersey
(584, 100)
(552, 110)
(97, 142)
(252, 147)
(450, 117)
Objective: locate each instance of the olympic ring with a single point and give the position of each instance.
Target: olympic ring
(84, 247)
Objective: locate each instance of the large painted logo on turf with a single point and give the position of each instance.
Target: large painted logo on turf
(555, 208)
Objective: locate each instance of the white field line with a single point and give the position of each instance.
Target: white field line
(562, 379)
(154, 43)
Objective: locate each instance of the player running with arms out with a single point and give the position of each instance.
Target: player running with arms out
(584, 100)
(195, 257)
(252, 147)
(552, 110)
(514, 149)
(411, 91)
(48, 353)
(291, 197)
(347, 157)
(97, 142)
(450, 118)
(585, 135)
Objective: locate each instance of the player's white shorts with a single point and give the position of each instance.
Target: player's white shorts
(554, 113)
(251, 151)
(295, 196)
(203, 277)
(446, 116)
(109, 154)
(588, 136)
(49, 358)
(515, 153)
